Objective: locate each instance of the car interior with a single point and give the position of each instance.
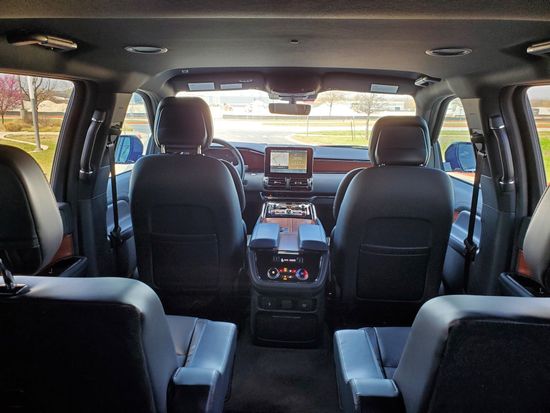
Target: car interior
(274, 207)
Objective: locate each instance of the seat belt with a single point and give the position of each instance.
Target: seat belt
(115, 235)
(470, 246)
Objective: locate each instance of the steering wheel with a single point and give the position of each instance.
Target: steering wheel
(237, 155)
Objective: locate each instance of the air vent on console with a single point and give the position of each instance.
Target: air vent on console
(275, 183)
(300, 183)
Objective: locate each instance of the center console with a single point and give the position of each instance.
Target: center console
(288, 266)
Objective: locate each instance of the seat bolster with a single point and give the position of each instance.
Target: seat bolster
(355, 361)
(193, 390)
(182, 330)
(376, 395)
(388, 344)
(207, 350)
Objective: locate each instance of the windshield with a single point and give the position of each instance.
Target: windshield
(336, 118)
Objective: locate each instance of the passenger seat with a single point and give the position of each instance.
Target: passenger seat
(94, 344)
(462, 353)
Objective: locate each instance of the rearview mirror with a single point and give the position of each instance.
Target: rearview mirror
(289, 109)
(460, 156)
(128, 149)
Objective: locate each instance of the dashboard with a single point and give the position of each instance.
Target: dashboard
(337, 160)
(329, 166)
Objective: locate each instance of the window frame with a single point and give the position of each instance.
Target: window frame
(439, 127)
(534, 140)
(150, 120)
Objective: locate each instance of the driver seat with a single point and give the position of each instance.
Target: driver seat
(187, 213)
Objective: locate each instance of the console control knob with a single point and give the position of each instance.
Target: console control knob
(302, 274)
(273, 273)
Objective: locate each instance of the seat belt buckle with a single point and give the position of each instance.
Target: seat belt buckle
(470, 249)
(115, 238)
(112, 136)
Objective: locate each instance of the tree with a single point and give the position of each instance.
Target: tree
(329, 98)
(43, 89)
(10, 94)
(368, 103)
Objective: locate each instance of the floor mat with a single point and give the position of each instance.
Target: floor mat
(282, 380)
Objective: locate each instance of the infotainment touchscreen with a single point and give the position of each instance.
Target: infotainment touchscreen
(291, 161)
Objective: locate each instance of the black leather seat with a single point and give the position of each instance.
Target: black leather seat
(93, 344)
(462, 353)
(392, 222)
(30, 223)
(187, 212)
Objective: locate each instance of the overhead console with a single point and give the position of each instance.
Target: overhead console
(288, 168)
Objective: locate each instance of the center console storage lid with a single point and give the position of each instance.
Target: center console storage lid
(312, 237)
(265, 236)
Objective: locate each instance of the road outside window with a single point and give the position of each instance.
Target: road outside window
(31, 113)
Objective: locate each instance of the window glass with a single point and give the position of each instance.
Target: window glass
(32, 110)
(136, 132)
(456, 147)
(539, 97)
(336, 118)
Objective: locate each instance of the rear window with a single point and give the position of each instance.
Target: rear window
(32, 110)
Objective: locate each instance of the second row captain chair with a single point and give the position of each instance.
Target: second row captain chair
(392, 223)
(462, 353)
(92, 344)
(187, 212)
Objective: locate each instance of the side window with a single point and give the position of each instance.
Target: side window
(32, 111)
(456, 147)
(539, 98)
(136, 132)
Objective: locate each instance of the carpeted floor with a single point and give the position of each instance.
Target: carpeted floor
(282, 380)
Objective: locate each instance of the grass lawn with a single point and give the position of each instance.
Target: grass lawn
(545, 147)
(26, 142)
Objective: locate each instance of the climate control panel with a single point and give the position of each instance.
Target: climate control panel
(290, 268)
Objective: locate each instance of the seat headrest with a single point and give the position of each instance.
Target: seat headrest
(182, 124)
(400, 140)
(536, 245)
(30, 223)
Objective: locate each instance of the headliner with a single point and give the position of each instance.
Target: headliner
(352, 34)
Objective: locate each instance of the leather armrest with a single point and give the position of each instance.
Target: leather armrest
(265, 236)
(192, 390)
(376, 395)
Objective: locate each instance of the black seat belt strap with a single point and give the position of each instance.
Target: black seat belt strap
(115, 234)
(470, 246)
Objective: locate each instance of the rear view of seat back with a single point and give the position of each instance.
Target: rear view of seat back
(84, 345)
(30, 224)
(394, 220)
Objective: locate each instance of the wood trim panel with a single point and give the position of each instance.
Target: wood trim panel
(65, 249)
(338, 166)
(522, 267)
(291, 225)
